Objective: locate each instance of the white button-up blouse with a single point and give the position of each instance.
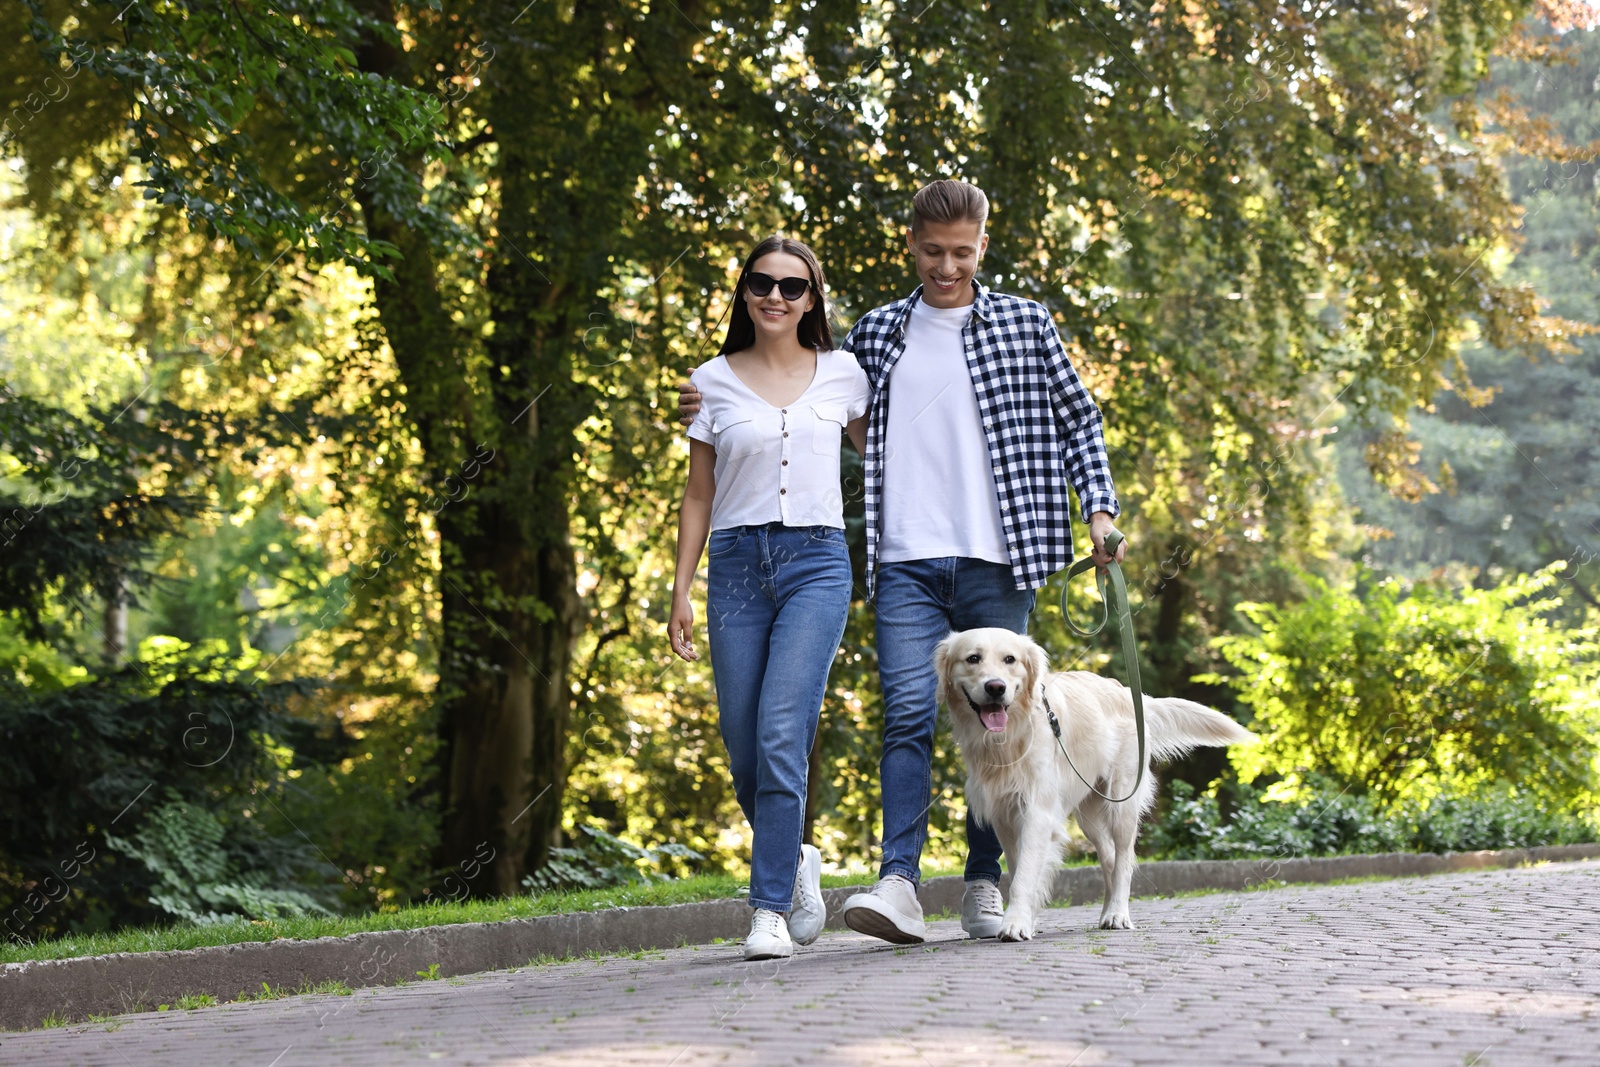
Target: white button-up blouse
(778, 464)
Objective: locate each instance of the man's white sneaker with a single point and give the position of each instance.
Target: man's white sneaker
(890, 911)
(769, 937)
(808, 912)
(982, 910)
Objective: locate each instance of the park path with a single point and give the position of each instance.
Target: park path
(1484, 968)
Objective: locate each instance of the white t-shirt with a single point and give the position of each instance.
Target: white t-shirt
(939, 495)
(778, 464)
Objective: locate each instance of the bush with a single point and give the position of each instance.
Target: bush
(120, 791)
(1327, 820)
(199, 881)
(605, 860)
(1407, 694)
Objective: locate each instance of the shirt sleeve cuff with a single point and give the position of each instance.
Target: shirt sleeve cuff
(1100, 502)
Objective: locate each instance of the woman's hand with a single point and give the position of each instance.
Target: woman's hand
(680, 629)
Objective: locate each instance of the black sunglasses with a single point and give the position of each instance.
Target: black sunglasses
(792, 288)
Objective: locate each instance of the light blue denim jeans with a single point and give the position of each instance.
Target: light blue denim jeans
(919, 603)
(776, 601)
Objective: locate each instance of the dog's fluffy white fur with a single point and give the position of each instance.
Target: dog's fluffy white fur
(995, 684)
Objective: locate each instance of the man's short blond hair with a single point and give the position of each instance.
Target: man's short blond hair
(948, 201)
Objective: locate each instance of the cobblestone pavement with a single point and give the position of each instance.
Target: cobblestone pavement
(1487, 968)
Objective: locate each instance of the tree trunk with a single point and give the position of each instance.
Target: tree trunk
(509, 704)
(1170, 667)
(510, 608)
(513, 596)
(1166, 657)
(114, 620)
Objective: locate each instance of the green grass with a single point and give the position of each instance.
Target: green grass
(195, 1000)
(444, 913)
(305, 988)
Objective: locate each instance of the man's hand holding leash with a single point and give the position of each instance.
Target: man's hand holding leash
(1099, 525)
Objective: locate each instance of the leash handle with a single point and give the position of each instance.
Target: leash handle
(1113, 541)
(1114, 596)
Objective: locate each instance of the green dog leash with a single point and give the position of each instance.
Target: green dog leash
(1114, 594)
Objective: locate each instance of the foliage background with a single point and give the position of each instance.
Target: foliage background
(1298, 253)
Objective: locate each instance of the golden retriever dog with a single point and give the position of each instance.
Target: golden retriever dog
(997, 684)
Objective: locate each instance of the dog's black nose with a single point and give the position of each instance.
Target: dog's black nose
(995, 688)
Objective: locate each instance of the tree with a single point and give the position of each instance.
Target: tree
(1515, 456)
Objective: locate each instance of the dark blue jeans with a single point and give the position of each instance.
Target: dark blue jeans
(919, 603)
(776, 601)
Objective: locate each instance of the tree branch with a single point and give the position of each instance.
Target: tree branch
(1590, 597)
(605, 638)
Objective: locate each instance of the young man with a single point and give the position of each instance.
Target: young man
(978, 423)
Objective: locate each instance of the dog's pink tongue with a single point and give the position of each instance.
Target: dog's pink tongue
(994, 720)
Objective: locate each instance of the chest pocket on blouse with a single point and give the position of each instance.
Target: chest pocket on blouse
(737, 435)
(827, 429)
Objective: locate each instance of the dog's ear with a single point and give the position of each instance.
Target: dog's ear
(941, 660)
(1038, 665)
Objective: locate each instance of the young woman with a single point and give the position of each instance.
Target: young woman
(764, 481)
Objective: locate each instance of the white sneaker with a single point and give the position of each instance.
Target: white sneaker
(808, 912)
(890, 911)
(769, 937)
(982, 910)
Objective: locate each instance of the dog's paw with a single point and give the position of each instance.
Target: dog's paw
(1016, 928)
(1116, 920)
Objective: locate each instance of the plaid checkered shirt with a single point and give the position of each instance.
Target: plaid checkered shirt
(1042, 426)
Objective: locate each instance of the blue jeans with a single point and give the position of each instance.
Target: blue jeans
(776, 601)
(919, 603)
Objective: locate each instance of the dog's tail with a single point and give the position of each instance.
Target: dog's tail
(1176, 725)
